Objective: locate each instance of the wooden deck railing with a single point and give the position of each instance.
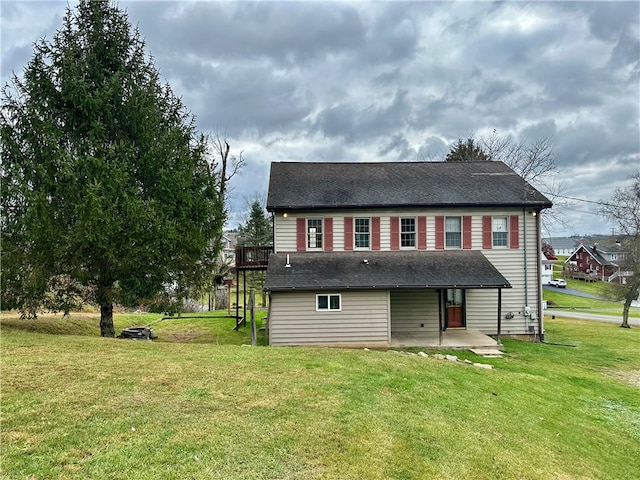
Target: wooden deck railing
(253, 258)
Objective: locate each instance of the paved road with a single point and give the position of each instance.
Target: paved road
(571, 291)
(583, 315)
(591, 316)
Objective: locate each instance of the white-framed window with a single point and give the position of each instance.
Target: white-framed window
(362, 233)
(408, 232)
(453, 232)
(314, 233)
(500, 233)
(326, 302)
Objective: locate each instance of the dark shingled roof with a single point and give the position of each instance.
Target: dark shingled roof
(382, 270)
(306, 185)
(594, 253)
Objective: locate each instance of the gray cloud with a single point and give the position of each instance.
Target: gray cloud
(287, 33)
(355, 124)
(608, 20)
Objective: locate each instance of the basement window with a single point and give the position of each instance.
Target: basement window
(325, 303)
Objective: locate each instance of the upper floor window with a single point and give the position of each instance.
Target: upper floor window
(328, 303)
(500, 232)
(314, 233)
(408, 232)
(362, 233)
(453, 232)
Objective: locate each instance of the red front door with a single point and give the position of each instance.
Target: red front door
(455, 308)
(454, 317)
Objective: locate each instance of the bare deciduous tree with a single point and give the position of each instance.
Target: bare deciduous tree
(623, 210)
(536, 162)
(532, 161)
(230, 165)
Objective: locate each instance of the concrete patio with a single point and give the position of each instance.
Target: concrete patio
(451, 339)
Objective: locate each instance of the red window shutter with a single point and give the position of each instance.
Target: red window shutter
(514, 232)
(487, 232)
(328, 234)
(466, 232)
(375, 233)
(348, 233)
(301, 234)
(422, 233)
(439, 233)
(395, 233)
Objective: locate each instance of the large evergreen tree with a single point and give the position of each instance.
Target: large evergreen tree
(258, 229)
(468, 151)
(106, 185)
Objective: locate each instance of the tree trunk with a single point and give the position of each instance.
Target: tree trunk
(625, 312)
(221, 297)
(104, 297)
(106, 320)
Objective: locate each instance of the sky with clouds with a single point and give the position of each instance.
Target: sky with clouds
(392, 81)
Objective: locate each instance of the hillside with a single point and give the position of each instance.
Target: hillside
(75, 405)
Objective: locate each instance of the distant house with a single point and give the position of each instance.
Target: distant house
(229, 242)
(562, 245)
(382, 254)
(547, 270)
(598, 261)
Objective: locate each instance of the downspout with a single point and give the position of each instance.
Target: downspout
(540, 313)
(499, 315)
(526, 275)
(439, 316)
(526, 309)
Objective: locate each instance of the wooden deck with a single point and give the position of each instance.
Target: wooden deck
(451, 339)
(252, 257)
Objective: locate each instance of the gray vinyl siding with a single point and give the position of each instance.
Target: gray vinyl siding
(362, 320)
(412, 308)
(285, 233)
(481, 311)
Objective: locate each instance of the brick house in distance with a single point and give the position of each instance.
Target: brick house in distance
(416, 253)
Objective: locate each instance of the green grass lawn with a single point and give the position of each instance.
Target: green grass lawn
(604, 307)
(75, 405)
(203, 327)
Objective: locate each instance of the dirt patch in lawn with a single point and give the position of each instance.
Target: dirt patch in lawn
(184, 337)
(631, 377)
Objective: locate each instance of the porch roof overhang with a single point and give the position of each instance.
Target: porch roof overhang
(381, 271)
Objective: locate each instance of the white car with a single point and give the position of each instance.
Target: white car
(558, 282)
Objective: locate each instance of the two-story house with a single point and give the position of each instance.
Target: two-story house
(369, 253)
(599, 261)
